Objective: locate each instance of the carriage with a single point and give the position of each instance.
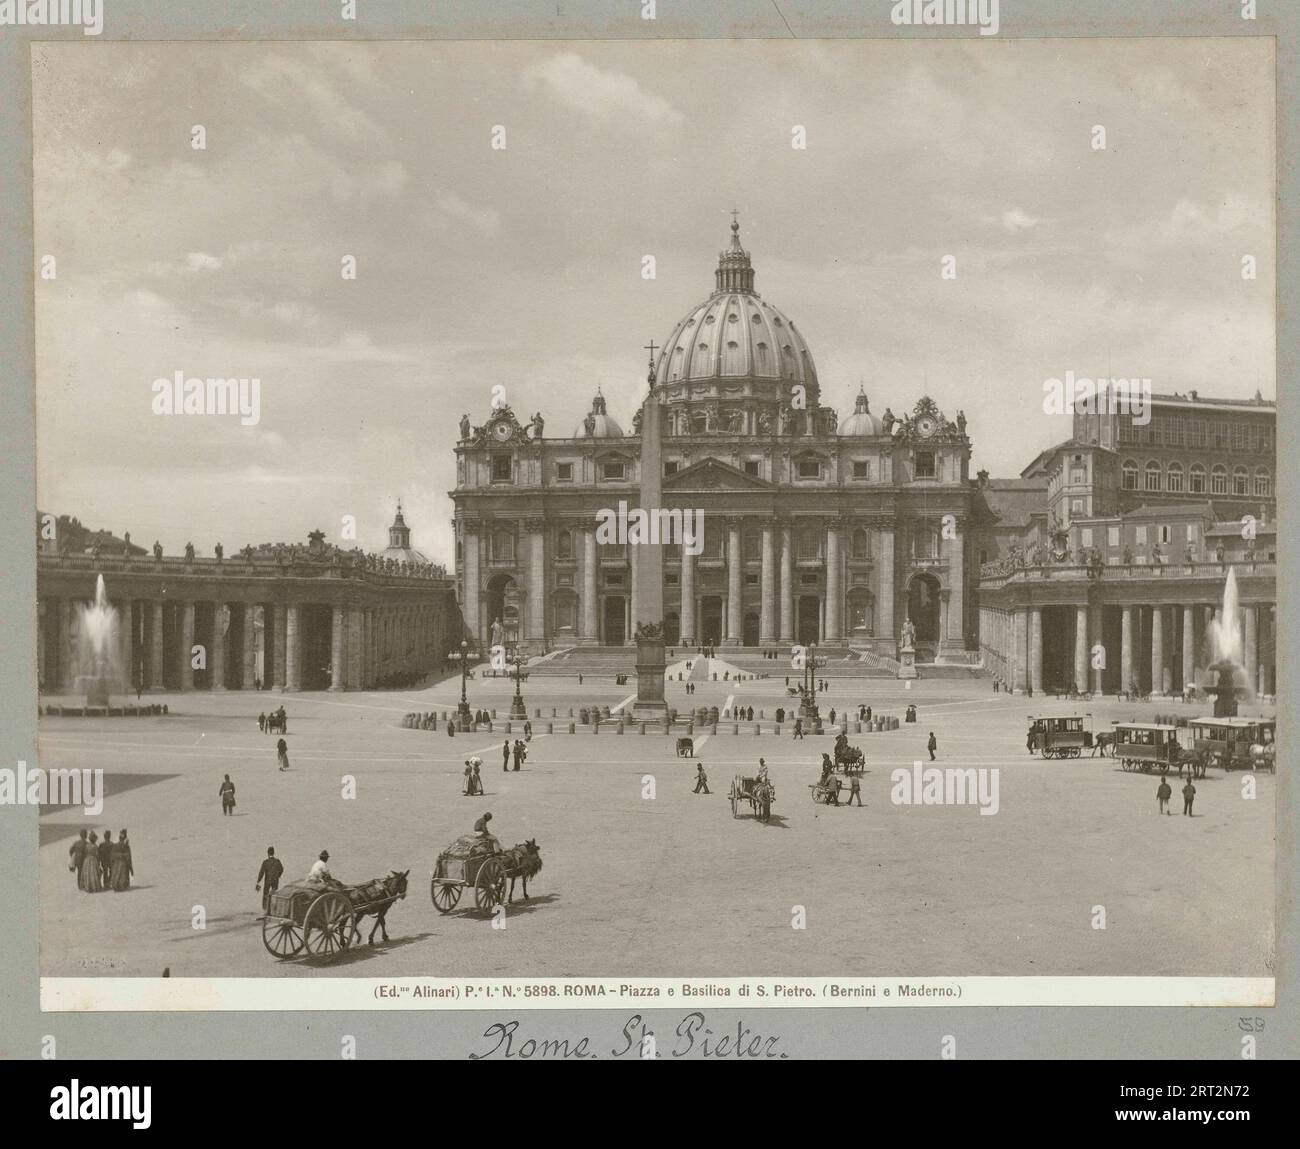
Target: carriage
(1062, 736)
(685, 747)
(826, 791)
(759, 794)
(322, 919)
(1235, 743)
(1147, 746)
(849, 759)
(473, 863)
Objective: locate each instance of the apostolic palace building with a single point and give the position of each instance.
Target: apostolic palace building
(817, 528)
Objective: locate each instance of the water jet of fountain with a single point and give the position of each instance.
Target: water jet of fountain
(97, 647)
(1228, 673)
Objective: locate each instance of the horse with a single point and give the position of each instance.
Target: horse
(277, 722)
(763, 793)
(522, 861)
(380, 896)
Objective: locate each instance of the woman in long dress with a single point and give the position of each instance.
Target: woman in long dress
(122, 867)
(88, 877)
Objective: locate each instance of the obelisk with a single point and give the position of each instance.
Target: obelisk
(648, 605)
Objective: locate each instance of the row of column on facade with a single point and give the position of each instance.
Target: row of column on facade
(776, 596)
(1161, 648)
(184, 645)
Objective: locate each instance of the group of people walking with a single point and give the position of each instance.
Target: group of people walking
(101, 865)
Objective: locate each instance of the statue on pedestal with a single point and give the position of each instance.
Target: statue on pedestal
(909, 634)
(497, 632)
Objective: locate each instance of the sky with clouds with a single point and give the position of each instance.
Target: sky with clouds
(522, 266)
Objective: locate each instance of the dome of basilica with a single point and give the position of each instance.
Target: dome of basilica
(599, 424)
(735, 333)
(861, 422)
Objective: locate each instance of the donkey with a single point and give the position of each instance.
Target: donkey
(522, 862)
(380, 896)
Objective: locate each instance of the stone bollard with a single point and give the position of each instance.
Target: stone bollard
(757, 729)
(777, 730)
(571, 728)
(550, 728)
(595, 723)
(713, 729)
(641, 729)
(507, 729)
(494, 714)
(539, 713)
(619, 729)
(552, 711)
(570, 711)
(690, 729)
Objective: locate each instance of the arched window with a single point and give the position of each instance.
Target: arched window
(1129, 475)
(861, 544)
(1196, 479)
(564, 545)
(1174, 477)
(1263, 484)
(1219, 480)
(1240, 481)
(1152, 477)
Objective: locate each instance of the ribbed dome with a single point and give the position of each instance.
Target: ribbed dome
(861, 422)
(735, 333)
(599, 424)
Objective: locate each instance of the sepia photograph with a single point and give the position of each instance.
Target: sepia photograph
(662, 514)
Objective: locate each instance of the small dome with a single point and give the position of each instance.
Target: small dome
(598, 424)
(861, 422)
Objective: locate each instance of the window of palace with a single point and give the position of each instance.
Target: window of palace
(1129, 475)
(751, 580)
(810, 545)
(1175, 477)
(751, 467)
(1222, 434)
(1192, 532)
(501, 468)
(503, 546)
(1219, 480)
(671, 467)
(753, 548)
(671, 580)
(1141, 535)
(1165, 533)
(613, 469)
(613, 578)
(1240, 481)
(1112, 536)
(807, 580)
(1196, 480)
(564, 472)
(861, 544)
(564, 545)
(1153, 475)
(810, 468)
(1076, 506)
(564, 578)
(566, 612)
(861, 469)
(925, 465)
(1078, 476)
(1085, 537)
(1263, 487)
(925, 543)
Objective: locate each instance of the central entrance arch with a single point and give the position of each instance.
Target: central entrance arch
(710, 620)
(809, 619)
(615, 620)
(504, 602)
(923, 607)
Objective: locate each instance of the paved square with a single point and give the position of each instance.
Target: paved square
(662, 886)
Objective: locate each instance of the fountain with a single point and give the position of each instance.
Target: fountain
(1228, 682)
(96, 653)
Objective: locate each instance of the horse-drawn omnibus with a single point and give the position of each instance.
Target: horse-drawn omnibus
(1235, 743)
(1063, 736)
(1147, 746)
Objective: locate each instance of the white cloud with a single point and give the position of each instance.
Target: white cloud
(1016, 220)
(603, 95)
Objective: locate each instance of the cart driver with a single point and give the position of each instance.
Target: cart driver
(320, 875)
(762, 771)
(487, 841)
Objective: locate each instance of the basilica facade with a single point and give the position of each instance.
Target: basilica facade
(816, 528)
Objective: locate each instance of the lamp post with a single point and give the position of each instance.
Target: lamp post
(810, 682)
(517, 708)
(464, 720)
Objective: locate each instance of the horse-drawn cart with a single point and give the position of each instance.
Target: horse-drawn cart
(1147, 746)
(322, 919)
(472, 863)
(757, 792)
(1063, 736)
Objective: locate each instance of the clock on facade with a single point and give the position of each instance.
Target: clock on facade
(926, 426)
(502, 430)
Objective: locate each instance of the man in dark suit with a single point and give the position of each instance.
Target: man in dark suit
(268, 877)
